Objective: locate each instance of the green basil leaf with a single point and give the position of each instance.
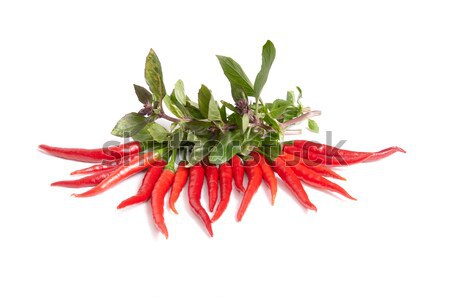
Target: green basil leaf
(144, 96)
(193, 112)
(153, 75)
(229, 145)
(278, 107)
(271, 146)
(245, 122)
(180, 95)
(200, 150)
(152, 131)
(268, 56)
(237, 93)
(229, 106)
(213, 111)
(170, 103)
(272, 122)
(200, 128)
(252, 141)
(235, 74)
(313, 126)
(129, 125)
(223, 113)
(300, 93)
(204, 96)
(290, 96)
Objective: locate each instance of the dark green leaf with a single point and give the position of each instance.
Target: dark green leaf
(313, 126)
(223, 113)
(144, 96)
(278, 108)
(272, 122)
(235, 74)
(271, 146)
(300, 93)
(200, 128)
(171, 104)
(129, 125)
(268, 56)
(229, 106)
(153, 75)
(152, 131)
(193, 111)
(237, 93)
(200, 150)
(204, 96)
(179, 92)
(229, 145)
(252, 141)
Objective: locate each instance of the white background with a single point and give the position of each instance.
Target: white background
(378, 70)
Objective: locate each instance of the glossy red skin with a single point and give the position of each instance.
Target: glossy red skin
(181, 177)
(226, 185)
(238, 173)
(314, 179)
(137, 164)
(322, 170)
(93, 155)
(267, 173)
(95, 169)
(145, 190)
(157, 199)
(212, 180)
(196, 177)
(254, 174)
(288, 176)
(91, 180)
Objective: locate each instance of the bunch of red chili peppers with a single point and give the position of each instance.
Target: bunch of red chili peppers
(300, 161)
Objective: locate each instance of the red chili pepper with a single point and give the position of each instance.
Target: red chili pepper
(268, 174)
(238, 173)
(335, 156)
(318, 181)
(322, 170)
(145, 191)
(95, 169)
(288, 176)
(180, 180)
(93, 155)
(226, 184)
(212, 180)
(254, 174)
(157, 199)
(196, 177)
(90, 180)
(138, 163)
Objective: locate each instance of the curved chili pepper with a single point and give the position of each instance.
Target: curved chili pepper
(238, 173)
(93, 155)
(90, 180)
(267, 173)
(254, 174)
(196, 177)
(324, 159)
(138, 163)
(180, 180)
(145, 191)
(288, 176)
(318, 181)
(95, 169)
(212, 180)
(322, 170)
(335, 156)
(226, 184)
(157, 198)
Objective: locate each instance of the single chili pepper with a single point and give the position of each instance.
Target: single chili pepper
(180, 180)
(212, 180)
(95, 169)
(145, 190)
(238, 173)
(318, 181)
(158, 194)
(93, 155)
(138, 163)
(90, 180)
(254, 174)
(226, 185)
(292, 160)
(288, 176)
(196, 177)
(267, 173)
(324, 159)
(336, 156)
